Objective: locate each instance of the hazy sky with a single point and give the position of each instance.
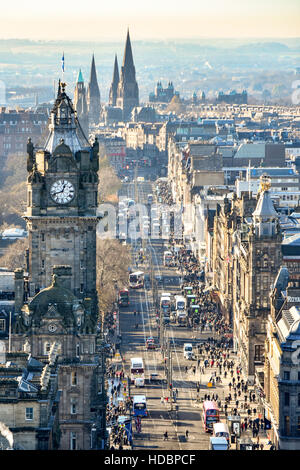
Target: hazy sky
(102, 19)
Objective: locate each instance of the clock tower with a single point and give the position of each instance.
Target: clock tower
(62, 202)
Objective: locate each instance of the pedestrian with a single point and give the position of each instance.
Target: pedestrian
(166, 437)
(187, 434)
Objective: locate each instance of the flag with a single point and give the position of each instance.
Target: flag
(63, 62)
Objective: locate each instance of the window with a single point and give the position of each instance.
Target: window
(47, 347)
(2, 324)
(258, 352)
(29, 414)
(286, 375)
(81, 288)
(298, 425)
(77, 350)
(73, 409)
(287, 425)
(73, 378)
(286, 399)
(73, 441)
(298, 399)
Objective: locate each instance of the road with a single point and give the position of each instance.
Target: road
(160, 417)
(185, 413)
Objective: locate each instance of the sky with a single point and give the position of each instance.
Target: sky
(97, 20)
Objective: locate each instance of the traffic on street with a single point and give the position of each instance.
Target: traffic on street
(174, 381)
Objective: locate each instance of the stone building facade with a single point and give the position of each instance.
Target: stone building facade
(29, 400)
(282, 364)
(256, 260)
(58, 302)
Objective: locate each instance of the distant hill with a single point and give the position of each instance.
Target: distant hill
(268, 47)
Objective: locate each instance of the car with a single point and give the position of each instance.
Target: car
(139, 382)
(154, 377)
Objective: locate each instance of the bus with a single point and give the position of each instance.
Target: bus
(180, 302)
(136, 280)
(150, 198)
(167, 258)
(136, 369)
(123, 298)
(140, 406)
(210, 415)
(221, 430)
(165, 302)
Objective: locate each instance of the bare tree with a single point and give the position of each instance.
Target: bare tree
(14, 256)
(113, 260)
(109, 183)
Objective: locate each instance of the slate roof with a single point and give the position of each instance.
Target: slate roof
(265, 207)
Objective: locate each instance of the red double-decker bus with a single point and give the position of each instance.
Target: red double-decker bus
(123, 298)
(210, 415)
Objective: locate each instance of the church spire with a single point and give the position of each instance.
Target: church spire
(93, 95)
(80, 104)
(128, 91)
(128, 59)
(114, 85)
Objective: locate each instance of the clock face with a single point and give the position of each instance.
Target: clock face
(52, 327)
(62, 191)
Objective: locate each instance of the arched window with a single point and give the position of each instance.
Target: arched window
(47, 347)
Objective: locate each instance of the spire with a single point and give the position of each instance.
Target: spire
(114, 84)
(93, 73)
(128, 91)
(80, 77)
(128, 65)
(94, 94)
(116, 77)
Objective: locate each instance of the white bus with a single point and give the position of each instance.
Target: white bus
(136, 280)
(165, 301)
(137, 369)
(139, 406)
(167, 258)
(180, 303)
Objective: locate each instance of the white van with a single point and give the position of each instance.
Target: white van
(218, 443)
(221, 430)
(188, 351)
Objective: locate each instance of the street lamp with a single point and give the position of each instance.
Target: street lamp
(117, 308)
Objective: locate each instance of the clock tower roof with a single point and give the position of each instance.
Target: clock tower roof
(65, 125)
(62, 149)
(55, 295)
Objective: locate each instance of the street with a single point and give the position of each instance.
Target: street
(191, 381)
